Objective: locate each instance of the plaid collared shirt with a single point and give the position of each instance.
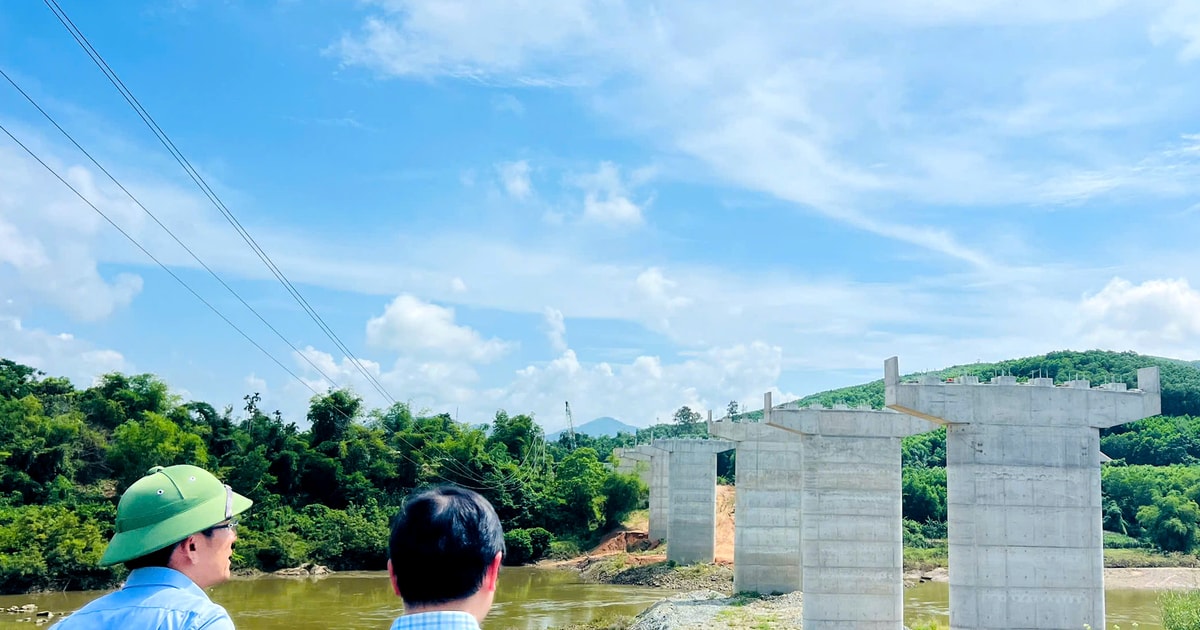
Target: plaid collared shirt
(437, 620)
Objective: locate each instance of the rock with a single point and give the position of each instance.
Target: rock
(29, 608)
(318, 569)
(45, 613)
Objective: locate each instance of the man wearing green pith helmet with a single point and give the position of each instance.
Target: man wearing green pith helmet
(175, 532)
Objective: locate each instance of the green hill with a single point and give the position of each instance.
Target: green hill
(1180, 379)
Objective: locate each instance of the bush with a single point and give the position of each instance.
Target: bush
(43, 547)
(540, 539)
(564, 550)
(1180, 610)
(518, 545)
(1113, 540)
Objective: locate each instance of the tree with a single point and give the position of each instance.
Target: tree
(138, 446)
(331, 415)
(686, 417)
(1171, 522)
(732, 409)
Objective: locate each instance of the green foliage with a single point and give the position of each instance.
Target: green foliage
(322, 495)
(518, 547)
(924, 494)
(623, 493)
(563, 550)
(1180, 610)
(1114, 540)
(44, 547)
(540, 539)
(1170, 523)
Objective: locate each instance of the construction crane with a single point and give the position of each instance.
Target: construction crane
(570, 426)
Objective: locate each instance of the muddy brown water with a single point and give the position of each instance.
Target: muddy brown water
(931, 602)
(528, 599)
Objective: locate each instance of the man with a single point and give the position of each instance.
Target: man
(444, 559)
(175, 530)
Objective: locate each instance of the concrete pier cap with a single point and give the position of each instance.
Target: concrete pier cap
(1023, 492)
(691, 497)
(851, 513)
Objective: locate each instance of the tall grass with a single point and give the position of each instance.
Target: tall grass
(1180, 610)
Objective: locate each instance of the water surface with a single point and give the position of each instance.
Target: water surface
(526, 599)
(931, 602)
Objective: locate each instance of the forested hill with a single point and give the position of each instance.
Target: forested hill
(1180, 379)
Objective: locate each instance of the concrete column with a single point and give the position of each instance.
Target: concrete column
(629, 461)
(767, 534)
(1023, 492)
(692, 512)
(654, 471)
(852, 532)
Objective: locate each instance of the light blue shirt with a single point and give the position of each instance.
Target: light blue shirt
(437, 620)
(153, 598)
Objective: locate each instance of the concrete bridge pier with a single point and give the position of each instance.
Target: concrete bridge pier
(852, 531)
(692, 509)
(769, 477)
(1023, 492)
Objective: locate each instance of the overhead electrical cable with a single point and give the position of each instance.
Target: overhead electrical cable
(220, 205)
(200, 182)
(166, 229)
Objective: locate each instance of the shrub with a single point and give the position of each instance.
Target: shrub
(564, 550)
(518, 546)
(540, 539)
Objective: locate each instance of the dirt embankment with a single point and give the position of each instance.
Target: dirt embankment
(628, 556)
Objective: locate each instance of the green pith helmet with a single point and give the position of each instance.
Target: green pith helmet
(166, 506)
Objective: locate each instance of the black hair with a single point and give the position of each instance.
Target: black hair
(159, 557)
(442, 543)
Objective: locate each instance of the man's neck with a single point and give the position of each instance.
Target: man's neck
(460, 605)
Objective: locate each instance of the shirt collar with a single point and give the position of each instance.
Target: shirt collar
(436, 618)
(161, 576)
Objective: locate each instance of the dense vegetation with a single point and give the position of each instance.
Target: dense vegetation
(324, 494)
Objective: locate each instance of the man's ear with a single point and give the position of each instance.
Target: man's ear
(392, 577)
(492, 575)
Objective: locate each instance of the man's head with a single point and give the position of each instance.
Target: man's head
(180, 517)
(445, 551)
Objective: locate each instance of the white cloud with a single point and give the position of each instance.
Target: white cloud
(508, 103)
(606, 199)
(412, 326)
(60, 354)
(48, 238)
(646, 388)
(556, 329)
(515, 177)
(1181, 21)
(816, 105)
(1159, 317)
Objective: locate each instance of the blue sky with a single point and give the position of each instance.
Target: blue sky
(630, 206)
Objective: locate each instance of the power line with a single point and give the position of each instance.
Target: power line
(195, 257)
(220, 205)
(199, 180)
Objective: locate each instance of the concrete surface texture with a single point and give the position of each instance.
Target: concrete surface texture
(1023, 484)
(852, 530)
(656, 463)
(692, 497)
(629, 461)
(767, 531)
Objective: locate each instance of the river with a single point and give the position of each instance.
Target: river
(528, 599)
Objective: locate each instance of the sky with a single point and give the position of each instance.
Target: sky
(630, 206)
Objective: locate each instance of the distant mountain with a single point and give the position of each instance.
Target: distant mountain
(598, 427)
